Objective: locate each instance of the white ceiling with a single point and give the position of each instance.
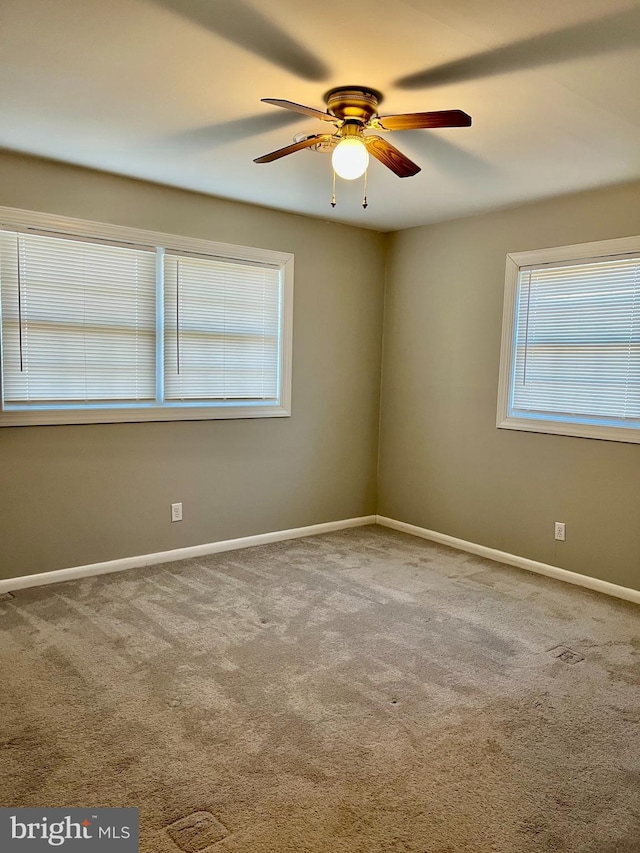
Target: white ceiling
(169, 90)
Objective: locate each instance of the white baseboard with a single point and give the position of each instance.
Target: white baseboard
(120, 565)
(513, 560)
(59, 575)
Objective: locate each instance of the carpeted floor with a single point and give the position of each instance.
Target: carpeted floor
(357, 692)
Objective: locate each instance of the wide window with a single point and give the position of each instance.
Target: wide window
(101, 323)
(571, 341)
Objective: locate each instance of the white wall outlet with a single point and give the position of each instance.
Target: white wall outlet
(176, 512)
(559, 531)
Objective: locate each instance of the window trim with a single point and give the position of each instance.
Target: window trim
(596, 250)
(28, 221)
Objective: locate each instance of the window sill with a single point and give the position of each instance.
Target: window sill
(141, 414)
(572, 428)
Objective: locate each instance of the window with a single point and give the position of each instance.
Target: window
(570, 361)
(102, 323)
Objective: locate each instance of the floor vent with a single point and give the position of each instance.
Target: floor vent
(197, 831)
(566, 654)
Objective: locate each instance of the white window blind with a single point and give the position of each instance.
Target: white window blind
(222, 329)
(78, 321)
(101, 323)
(577, 342)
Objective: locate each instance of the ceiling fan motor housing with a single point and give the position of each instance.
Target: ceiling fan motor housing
(353, 102)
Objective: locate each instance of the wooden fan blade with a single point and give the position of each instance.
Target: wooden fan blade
(299, 108)
(414, 121)
(391, 157)
(290, 149)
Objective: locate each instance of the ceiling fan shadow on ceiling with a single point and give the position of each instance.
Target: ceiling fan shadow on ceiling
(211, 136)
(241, 24)
(594, 37)
(352, 111)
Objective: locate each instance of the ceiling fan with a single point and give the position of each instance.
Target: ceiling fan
(352, 110)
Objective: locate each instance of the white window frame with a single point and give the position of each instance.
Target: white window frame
(14, 219)
(515, 262)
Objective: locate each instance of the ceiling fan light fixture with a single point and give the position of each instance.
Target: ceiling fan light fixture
(350, 158)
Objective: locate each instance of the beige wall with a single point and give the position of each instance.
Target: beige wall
(443, 463)
(72, 495)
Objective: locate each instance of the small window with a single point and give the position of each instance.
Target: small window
(570, 361)
(78, 322)
(101, 324)
(222, 330)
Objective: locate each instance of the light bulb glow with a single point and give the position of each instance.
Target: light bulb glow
(350, 158)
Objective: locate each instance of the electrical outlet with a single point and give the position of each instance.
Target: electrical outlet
(559, 531)
(176, 512)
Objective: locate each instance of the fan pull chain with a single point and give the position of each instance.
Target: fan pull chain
(365, 203)
(333, 193)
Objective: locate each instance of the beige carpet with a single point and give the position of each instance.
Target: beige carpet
(361, 691)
